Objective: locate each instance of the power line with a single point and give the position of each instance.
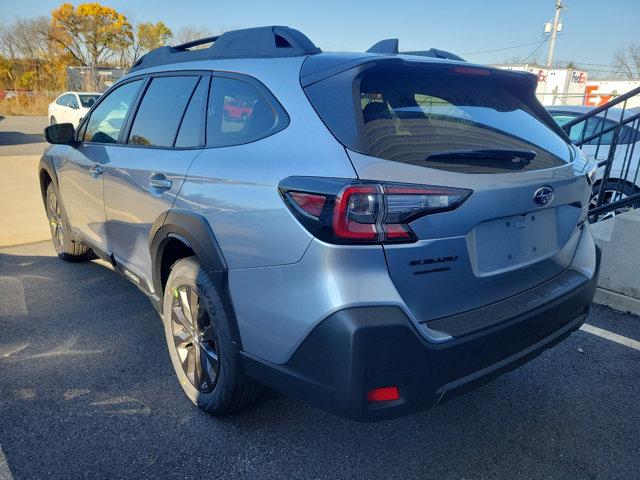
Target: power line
(533, 52)
(500, 49)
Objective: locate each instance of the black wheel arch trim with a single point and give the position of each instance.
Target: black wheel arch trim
(196, 233)
(46, 165)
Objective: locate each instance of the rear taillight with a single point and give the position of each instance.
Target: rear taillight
(342, 211)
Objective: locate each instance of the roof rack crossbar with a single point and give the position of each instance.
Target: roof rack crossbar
(195, 43)
(259, 42)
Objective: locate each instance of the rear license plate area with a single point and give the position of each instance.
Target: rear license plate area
(511, 242)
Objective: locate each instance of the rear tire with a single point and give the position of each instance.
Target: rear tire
(52, 120)
(67, 246)
(200, 342)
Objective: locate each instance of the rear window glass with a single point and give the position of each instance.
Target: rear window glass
(409, 117)
(238, 113)
(161, 110)
(193, 121)
(87, 101)
(435, 117)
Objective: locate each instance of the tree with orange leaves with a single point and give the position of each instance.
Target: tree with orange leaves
(91, 33)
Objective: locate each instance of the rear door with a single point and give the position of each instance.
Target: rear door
(144, 176)
(476, 129)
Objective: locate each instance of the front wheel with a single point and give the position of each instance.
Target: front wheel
(200, 342)
(66, 246)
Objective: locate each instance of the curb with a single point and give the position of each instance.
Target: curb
(617, 301)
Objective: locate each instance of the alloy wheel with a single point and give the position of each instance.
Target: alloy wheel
(194, 338)
(609, 196)
(56, 224)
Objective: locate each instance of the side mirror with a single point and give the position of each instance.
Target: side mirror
(61, 134)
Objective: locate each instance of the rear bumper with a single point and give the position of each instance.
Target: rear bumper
(357, 349)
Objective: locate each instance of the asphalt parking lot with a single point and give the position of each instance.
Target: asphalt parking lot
(87, 391)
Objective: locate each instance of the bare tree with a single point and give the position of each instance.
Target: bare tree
(626, 61)
(532, 59)
(29, 56)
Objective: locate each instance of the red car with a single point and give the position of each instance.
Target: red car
(237, 110)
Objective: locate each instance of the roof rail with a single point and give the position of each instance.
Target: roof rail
(389, 46)
(259, 42)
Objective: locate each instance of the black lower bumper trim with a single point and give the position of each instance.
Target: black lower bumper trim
(357, 349)
(484, 317)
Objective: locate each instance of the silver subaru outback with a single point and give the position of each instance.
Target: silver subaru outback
(371, 232)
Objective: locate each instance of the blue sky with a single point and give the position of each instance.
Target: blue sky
(593, 29)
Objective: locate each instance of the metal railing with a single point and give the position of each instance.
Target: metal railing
(610, 137)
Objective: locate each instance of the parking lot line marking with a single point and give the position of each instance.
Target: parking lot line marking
(614, 337)
(5, 471)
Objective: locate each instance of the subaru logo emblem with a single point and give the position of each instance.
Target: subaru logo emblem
(543, 196)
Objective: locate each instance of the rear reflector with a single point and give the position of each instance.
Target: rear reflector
(383, 394)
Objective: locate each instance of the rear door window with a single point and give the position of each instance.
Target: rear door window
(192, 126)
(161, 110)
(63, 100)
(73, 102)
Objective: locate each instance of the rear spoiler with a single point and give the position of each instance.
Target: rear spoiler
(389, 46)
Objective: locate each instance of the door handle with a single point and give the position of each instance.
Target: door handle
(95, 170)
(160, 180)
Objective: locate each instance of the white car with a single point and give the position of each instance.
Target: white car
(71, 107)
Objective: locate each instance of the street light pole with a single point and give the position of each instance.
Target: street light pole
(554, 32)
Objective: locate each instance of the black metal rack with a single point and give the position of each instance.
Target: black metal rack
(259, 42)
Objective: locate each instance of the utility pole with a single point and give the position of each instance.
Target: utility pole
(554, 32)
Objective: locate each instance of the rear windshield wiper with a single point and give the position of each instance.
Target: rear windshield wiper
(489, 153)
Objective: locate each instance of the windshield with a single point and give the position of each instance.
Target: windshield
(409, 116)
(87, 101)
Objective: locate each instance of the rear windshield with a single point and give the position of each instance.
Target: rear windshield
(453, 121)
